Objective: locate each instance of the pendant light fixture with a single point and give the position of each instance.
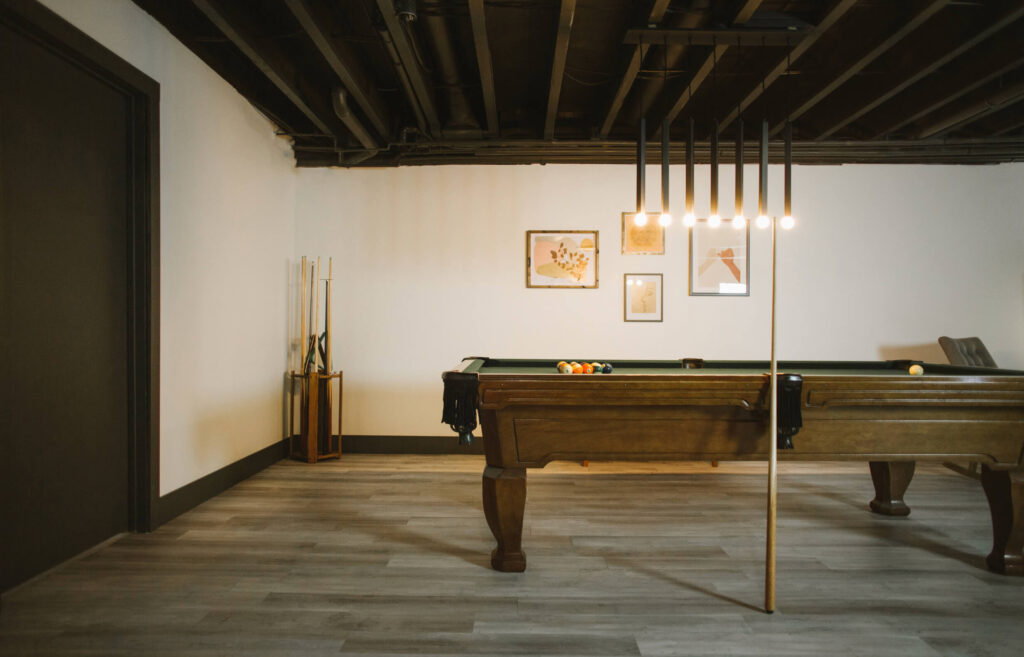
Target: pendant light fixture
(787, 218)
(689, 219)
(739, 222)
(714, 219)
(640, 218)
(762, 178)
(666, 215)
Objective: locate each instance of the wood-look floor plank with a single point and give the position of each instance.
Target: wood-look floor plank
(389, 555)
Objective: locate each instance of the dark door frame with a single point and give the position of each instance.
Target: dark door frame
(34, 21)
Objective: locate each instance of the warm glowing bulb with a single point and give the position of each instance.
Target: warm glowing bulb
(640, 219)
(689, 220)
(763, 221)
(665, 219)
(714, 221)
(739, 222)
(787, 222)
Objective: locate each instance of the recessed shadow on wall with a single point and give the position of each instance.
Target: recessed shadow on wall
(929, 352)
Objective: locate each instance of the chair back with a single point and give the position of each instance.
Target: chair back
(966, 351)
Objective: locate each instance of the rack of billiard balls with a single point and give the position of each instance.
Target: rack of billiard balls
(583, 368)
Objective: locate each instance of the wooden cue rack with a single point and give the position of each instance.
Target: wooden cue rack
(316, 439)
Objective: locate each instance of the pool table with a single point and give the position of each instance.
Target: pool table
(691, 409)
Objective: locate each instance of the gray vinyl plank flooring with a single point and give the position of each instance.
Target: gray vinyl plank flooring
(390, 556)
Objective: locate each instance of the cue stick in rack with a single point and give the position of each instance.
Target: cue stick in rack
(316, 330)
(327, 313)
(302, 316)
(769, 574)
(309, 337)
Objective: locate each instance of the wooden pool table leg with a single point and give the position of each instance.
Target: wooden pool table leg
(1005, 492)
(504, 501)
(891, 479)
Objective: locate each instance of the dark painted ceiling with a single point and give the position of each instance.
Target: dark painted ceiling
(402, 82)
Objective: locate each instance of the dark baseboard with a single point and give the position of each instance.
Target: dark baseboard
(408, 445)
(177, 502)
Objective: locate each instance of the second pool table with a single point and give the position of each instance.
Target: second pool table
(691, 409)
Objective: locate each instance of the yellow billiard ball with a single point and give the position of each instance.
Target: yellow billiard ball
(916, 370)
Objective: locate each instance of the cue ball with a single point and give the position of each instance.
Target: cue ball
(916, 369)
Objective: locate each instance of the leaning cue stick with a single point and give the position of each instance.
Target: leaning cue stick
(769, 574)
(327, 313)
(316, 330)
(302, 317)
(307, 338)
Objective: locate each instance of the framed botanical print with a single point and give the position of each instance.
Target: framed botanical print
(719, 260)
(648, 239)
(561, 258)
(642, 298)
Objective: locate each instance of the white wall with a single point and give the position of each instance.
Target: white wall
(227, 190)
(430, 268)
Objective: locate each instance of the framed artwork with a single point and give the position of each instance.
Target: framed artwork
(719, 260)
(642, 298)
(642, 240)
(561, 258)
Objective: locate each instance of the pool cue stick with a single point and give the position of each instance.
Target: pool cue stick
(308, 337)
(302, 316)
(769, 574)
(316, 331)
(327, 314)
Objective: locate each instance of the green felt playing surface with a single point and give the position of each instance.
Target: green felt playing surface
(675, 368)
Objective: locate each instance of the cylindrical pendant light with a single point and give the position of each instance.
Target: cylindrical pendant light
(739, 221)
(787, 219)
(689, 219)
(640, 218)
(666, 215)
(714, 219)
(762, 178)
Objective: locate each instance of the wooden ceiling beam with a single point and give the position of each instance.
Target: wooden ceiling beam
(1004, 98)
(632, 69)
(341, 60)
(417, 79)
(483, 61)
(996, 58)
(702, 73)
(274, 71)
(933, 64)
(840, 78)
(565, 18)
(837, 11)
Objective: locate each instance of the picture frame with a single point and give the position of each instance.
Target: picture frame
(562, 258)
(642, 240)
(643, 297)
(719, 260)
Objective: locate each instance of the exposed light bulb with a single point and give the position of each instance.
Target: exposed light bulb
(763, 221)
(689, 220)
(665, 219)
(739, 222)
(640, 219)
(714, 221)
(787, 222)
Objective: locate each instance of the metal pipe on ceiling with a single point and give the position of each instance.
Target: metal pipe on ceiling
(461, 120)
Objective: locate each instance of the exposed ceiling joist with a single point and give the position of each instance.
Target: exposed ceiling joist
(702, 73)
(1011, 95)
(249, 46)
(629, 76)
(830, 18)
(915, 76)
(565, 18)
(483, 60)
(411, 68)
(926, 12)
(344, 66)
(995, 59)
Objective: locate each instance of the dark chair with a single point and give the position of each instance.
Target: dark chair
(966, 351)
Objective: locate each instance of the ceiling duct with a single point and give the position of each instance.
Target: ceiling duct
(461, 120)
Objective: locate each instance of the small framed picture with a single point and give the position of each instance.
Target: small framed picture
(648, 239)
(642, 298)
(561, 258)
(719, 260)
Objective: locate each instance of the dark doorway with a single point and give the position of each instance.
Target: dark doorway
(77, 302)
